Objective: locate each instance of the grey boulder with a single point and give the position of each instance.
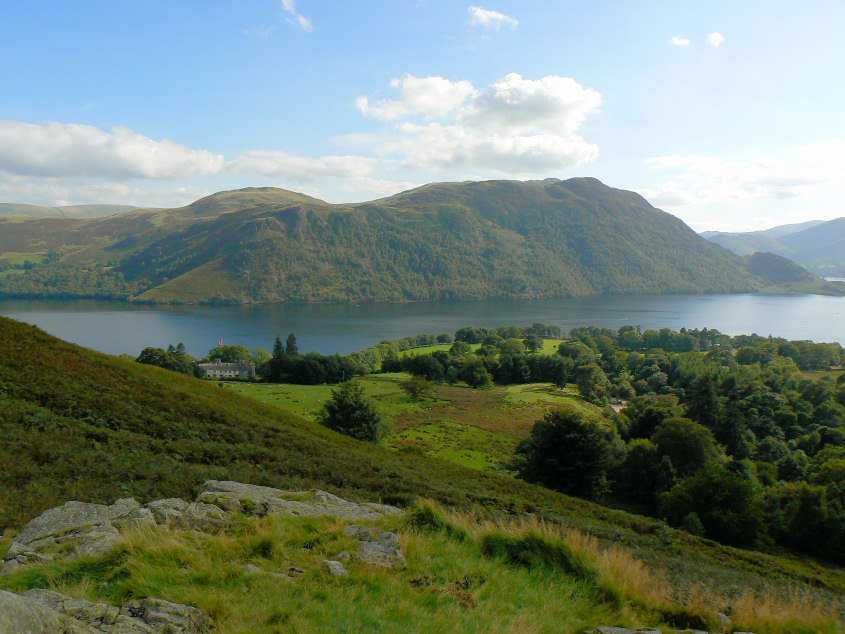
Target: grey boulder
(376, 547)
(260, 500)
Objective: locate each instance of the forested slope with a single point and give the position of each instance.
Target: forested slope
(472, 240)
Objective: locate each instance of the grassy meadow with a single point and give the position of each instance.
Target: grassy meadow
(479, 429)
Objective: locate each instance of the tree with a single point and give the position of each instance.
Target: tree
(167, 360)
(703, 403)
(688, 444)
(460, 349)
(512, 346)
(351, 412)
(229, 354)
(418, 388)
(533, 343)
(476, 375)
(646, 413)
(644, 474)
(425, 365)
(291, 348)
(725, 502)
(569, 451)
(592, 383)
(277, 361)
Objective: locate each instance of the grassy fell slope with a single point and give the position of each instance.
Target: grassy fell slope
(78, 424)
(471, 240)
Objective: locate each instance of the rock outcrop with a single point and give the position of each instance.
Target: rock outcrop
(259, 500)
(78, 529)
(37, 611)
(73, 529)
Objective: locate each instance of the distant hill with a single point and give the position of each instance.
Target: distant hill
(816, 245)
(777, 269)
(787, 276)
(471, 240)
(70, 211)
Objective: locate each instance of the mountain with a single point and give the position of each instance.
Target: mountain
(70, 211)
(471, 240)
(764, 241)
(816, 245)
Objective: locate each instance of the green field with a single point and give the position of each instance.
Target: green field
(473, 428)
(19, 259)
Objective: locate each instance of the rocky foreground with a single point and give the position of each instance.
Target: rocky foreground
(78, 529)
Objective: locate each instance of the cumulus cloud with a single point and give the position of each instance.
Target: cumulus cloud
(715, 39)
(436, 147)
(680, 40)
(430, 96)
(479, 16)
(301, 169)
(515, 126)
(57, 149)
(295, 17)
(514, 105)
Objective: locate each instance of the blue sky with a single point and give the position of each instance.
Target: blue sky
(726, 114)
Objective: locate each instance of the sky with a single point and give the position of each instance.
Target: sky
(728, 115)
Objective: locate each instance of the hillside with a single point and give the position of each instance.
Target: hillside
(817, 246)
(84, 426)
(786, 275)
(745, 243)
(471, 240)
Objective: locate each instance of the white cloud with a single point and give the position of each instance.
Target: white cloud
(436, 147)
(679, 40)
(301, 169)
(516, 126)
(429, 96)
(296, 18)
(514, 105)
(57, 149)
(365, 188)
(59, 192)
(479, 16)
(715, 39)
(800, 183)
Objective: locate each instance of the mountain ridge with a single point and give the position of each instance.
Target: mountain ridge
(441, 241)
(817, 245)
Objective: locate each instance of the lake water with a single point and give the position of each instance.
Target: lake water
(114, 327)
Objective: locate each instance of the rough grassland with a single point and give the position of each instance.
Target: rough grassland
(479, 429)
(464, 574)
(81, 425)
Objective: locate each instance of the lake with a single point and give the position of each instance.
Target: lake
(115, 327)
